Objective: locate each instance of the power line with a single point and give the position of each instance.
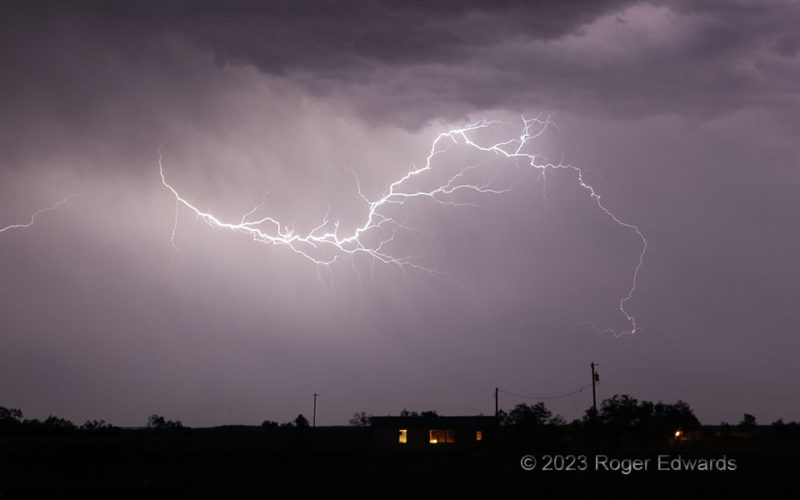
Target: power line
(697, 374)
(696, 391)
(558, 396)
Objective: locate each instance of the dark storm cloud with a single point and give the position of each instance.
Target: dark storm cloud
(67, 46)
(684, 115)
(329, 35)
(84, 75)
(333, 38)
(409, 63)
(619, 57)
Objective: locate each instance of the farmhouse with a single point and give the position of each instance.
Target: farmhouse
(432, 431)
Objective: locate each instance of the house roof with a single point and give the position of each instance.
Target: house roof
(434, 421)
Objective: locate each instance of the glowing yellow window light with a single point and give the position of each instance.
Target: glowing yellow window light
(478, 435)
(439, 436)
(402, 436)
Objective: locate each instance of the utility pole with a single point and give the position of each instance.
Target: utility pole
(314, 417)
(496, 408)
(595, 378)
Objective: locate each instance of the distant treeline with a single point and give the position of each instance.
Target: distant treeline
(620, 412)
(13, 418)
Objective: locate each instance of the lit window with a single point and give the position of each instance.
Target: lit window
(402, 436)
(437, 436)
(478, 435)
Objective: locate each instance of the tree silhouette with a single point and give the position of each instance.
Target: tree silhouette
(502, 417)
(530, 415)
(58, 423)
(91, 425)
(360, 419)
(159, 422)
(678, 414)
(301, 422)
(748, 422)
(623, 411)
(427, 413)
(10, 416)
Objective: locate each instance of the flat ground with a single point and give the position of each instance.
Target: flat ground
(346, 462)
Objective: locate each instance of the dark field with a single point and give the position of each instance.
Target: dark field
(346, 461)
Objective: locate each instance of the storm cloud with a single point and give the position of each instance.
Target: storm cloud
(683, 116)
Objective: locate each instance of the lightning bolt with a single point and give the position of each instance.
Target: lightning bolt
(326, 235)
(34, 216)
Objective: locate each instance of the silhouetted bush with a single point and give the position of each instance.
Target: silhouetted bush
(301, 422)
(159, 422)
(93, 425)
(360, 419)
(748, 422)
(58, 423)
(10, 416)
(427, 413)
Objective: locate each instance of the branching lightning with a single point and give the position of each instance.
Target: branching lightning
(362, 241)
(34, 216)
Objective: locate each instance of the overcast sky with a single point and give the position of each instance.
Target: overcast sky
(683, 117)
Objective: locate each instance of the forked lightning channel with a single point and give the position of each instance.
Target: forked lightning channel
(35, 215)
(325, 243)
